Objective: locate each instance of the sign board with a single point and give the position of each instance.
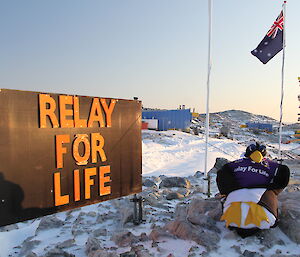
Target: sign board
(59, 152)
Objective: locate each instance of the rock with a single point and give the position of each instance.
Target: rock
(268, 238)
(126, 214)
(8, 228)
(166, 191)
(203, 213)
(263, 249)
(103, 253)
(69, 216)
(161, 177)
(283, 255)
(236, 248)
(203, 220)
(128, 254)
(76, 231)
(193, 249)
(183, 191)
(27, 245)
(158, 233)
(125, 211)
(231, 235)
(91, 245)
(175, 182)
(124, 238)
(174, 195)
(187, 231)
(55, 252)
(162, 251)
(216, 213)
(224, 131)
(66, 244)
(198, 189)
(144, 237)
(49, 222)
(155, 200)
(100, 232)
(154, 244)
(148, 183)
(199, 174)
(293, 187)
(210, 207)
(31, 254)
(92, 214)
(100, 219)
(80, 218)
(220, 162)
(290, 215)
(205, 254)
(181, 211)
(247, 253)
(144, 253)
(137, 248)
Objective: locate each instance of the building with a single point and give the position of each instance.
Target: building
(169, 119)
(260, 126)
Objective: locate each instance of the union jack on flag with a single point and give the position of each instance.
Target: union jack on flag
(277, 25)
(272, 43)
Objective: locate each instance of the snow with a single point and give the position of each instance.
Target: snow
(174, 153)
(169, 153)
(8, 240)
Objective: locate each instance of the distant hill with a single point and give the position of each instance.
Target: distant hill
(238, 117)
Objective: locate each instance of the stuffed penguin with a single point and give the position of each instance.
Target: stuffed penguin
(251, 186)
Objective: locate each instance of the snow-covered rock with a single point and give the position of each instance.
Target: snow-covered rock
(175, 182)
(290, 215)
(174, 195)
(49, 222)
(92, 245)
(124, 238)
(184, 229)
(220, 162)
(148, 183)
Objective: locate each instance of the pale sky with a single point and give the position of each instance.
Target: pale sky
(153, 49)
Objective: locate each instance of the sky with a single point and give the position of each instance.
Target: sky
(156, 50)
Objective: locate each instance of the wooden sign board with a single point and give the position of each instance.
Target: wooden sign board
(60, 152)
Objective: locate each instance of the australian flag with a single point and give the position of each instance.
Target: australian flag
(272, 42)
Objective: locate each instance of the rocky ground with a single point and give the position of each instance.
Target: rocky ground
(179, 221)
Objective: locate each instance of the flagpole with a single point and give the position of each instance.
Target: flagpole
(207, 92)
(282, 79)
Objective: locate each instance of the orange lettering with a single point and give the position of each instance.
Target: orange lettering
(58, 198)
(88, 181)
(108, 110)
(44, 101)
(81, 138)
(76, 185)
(104, 190)
(78, 122)
(97, 147)
(96, 114)
(64, 112)
(60, 150)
